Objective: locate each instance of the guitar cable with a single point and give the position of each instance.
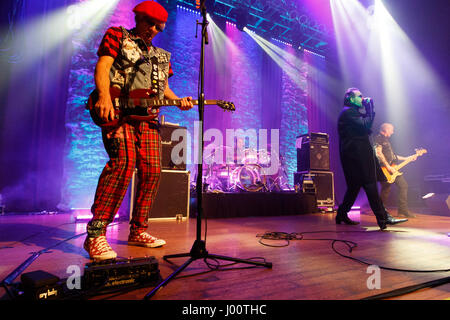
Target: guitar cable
(287, 237)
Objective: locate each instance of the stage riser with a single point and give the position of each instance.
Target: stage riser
(228, 205)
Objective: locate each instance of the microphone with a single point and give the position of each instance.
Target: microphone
(367, 100)
(368, 104)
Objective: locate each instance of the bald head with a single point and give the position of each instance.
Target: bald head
(387, 129)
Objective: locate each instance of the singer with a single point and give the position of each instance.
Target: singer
(360, 166)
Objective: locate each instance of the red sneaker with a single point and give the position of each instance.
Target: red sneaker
(99, 249)
(145, 240)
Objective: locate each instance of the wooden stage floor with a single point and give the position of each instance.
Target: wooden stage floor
(306, 269)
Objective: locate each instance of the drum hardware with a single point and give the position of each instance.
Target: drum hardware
(247, 174)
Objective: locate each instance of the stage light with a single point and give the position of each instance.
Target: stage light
(367, 3)
(190, 10)
(351, 35)
(428, 195)
(377, 56)
(37, 38)
(220, 42)
(285, 59)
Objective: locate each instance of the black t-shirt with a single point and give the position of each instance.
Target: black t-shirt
(386, 148)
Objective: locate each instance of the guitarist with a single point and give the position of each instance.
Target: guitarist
(388, 158)
(129, 61)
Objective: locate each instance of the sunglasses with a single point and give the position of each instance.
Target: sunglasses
(151, 23)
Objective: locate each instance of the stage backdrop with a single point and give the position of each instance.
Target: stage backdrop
(52, 153)
(237, 70)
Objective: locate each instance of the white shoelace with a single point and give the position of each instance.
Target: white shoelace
(102, 244)
(147, 236)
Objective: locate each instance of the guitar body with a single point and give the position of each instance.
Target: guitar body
(135, 96)
(390, 177)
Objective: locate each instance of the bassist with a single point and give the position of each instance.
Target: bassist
(388, 159)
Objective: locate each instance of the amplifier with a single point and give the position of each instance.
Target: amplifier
(324, 184)
(314, 137)
(313, 152)
(110, 274)
(172, 198)
(170, 161)
(313, 156)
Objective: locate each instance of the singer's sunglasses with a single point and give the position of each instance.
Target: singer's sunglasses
(151, 23)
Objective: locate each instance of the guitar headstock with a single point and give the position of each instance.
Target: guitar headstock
(420, 151)
(226, 105)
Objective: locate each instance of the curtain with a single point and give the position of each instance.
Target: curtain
(34, 92)
(324, 103)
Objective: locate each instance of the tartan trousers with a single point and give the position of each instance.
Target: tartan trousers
(129, 146)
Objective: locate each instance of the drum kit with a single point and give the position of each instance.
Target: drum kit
(249, 171)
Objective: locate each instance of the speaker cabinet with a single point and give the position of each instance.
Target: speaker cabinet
(324, 184)
(172, 198)
(313, 156)
(313, 152)
(167, 146)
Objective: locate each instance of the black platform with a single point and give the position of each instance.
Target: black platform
(247, 204)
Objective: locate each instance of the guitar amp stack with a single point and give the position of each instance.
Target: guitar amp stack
(173, 196)
(313, 167)
(169, 132)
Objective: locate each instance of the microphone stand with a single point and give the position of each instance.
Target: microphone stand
(198, 250)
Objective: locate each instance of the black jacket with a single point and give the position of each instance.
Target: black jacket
(355, 149)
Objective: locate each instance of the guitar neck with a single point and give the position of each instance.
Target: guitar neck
(404, 163)
(171, 102)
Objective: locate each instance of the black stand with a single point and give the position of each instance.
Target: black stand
(198, 250)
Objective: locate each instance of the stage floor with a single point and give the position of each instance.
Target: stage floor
(302, 269)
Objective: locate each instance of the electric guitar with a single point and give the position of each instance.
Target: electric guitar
(139, 105)
(390, 177)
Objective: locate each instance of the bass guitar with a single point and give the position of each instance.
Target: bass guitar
(390, 177)
(139, 105)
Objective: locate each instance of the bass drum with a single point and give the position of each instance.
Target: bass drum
(248, 178)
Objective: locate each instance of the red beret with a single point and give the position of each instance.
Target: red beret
(153, 10)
